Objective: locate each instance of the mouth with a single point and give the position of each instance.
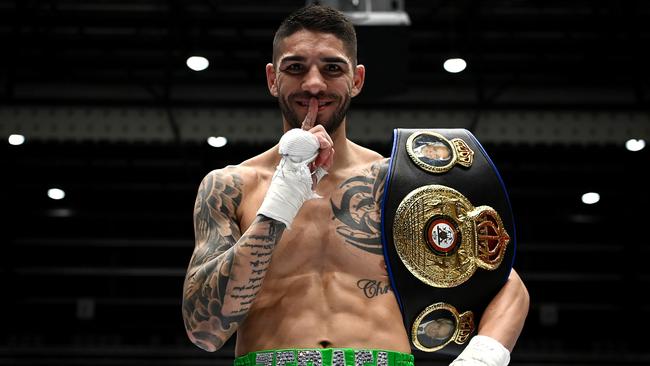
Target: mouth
(321, 104)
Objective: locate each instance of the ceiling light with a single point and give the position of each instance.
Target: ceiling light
(455, 65)
(385, 18)
(55, 193)
(590, 198)
(370, 12)
(635, 144)
(16, 139)
(197, 63)
(217, 141)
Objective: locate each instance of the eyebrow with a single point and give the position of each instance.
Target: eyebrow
(338, 60)
(334, 59)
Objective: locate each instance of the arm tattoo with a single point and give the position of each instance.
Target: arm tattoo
(359, 208)
(227, 269)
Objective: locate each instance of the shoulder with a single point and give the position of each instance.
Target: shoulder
(220, 187)
(229, 177)
(366, 153)
(237, 181)
(377, 168)
(233, 181)
(245, 175)
(369, 159)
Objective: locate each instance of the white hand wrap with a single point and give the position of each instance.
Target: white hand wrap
(291, 183)
(483, 351)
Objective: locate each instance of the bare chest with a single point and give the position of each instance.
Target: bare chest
(339, 232)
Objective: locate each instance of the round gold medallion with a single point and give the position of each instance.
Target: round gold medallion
(430, 221)
(431, 151)
(442, 238)
(440, 324)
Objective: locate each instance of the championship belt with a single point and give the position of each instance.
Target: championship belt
(448, 235)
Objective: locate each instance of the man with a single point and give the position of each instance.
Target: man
(434, 151)
(435, 332)
(292, 261)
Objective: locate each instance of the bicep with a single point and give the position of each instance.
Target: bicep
(216, 227)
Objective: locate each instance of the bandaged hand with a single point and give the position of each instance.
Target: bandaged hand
(305, 157)
(483, 351)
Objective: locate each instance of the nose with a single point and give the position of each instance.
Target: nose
(314, 83)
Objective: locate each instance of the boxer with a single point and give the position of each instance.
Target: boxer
(288, 250)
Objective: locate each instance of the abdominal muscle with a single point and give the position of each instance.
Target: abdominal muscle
(321, 311)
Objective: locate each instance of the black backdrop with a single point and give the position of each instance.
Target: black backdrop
(96, 278)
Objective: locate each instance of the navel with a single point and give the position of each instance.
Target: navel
(325, 344)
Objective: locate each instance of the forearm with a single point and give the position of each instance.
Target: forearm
(250, 262)
(505, 316)
(499, 327)
(219, 292)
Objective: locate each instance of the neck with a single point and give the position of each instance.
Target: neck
(341, 147)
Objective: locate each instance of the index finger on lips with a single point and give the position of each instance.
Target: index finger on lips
(312, 112)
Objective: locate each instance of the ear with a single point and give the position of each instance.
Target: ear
(358, 78)
(271, 79)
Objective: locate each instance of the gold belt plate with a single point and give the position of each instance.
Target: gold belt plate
(442, 238)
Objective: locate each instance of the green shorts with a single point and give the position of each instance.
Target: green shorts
(325, 357)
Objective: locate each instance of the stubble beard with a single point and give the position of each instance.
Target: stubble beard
(331, 125)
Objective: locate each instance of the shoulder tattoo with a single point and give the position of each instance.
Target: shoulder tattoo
(215, 211)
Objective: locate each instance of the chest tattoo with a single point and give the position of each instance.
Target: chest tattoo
(357, 208)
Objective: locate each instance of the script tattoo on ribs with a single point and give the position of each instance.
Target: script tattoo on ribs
(220, 285)
(358, 208)
(373, 288)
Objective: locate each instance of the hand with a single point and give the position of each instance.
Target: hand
(325, 157)
(306, 154)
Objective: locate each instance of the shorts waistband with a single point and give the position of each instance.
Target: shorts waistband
(325, 357)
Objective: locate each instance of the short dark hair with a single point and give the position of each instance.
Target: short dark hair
(322, 19)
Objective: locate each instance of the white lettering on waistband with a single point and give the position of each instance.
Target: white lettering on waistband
(363, 357)
(264, 359)
(283, 357)
(338, 358)
(314, 356)
(382, 359)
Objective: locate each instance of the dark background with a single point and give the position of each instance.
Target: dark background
(112, 115)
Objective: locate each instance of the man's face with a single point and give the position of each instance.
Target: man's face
(314, 65)
(438, 329)
(442, 152)
(429, 151)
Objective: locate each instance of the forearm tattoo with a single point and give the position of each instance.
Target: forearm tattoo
(227, 269)
(250, 267)
(358, 208)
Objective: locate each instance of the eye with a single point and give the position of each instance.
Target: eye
(333, 68)
(294, 68)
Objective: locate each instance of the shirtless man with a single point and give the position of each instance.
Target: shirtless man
(288, 267)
